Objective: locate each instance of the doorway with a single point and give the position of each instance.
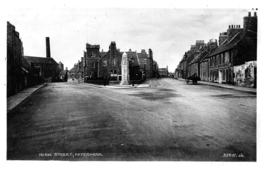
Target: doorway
(220, 76)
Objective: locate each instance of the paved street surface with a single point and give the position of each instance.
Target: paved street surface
(170, 121)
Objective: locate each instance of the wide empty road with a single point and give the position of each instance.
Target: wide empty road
(170, 121)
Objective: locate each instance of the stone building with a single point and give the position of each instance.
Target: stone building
(110, 63)
(233, 61)
(135, 72)
(238, 48)
(74, 71)
(98, 65)
(18, 68)
(163, 72)
(44, 67)
(146, 63)
(195, 66)
(92, 56)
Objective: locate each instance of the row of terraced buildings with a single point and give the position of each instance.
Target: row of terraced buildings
(232, 59)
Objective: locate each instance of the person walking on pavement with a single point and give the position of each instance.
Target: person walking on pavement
(104, 81)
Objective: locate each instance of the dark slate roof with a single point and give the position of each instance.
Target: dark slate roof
(227, 45)
(102, 53)
(207, 55)
(40, 60)
(194, 59)
(202, 55)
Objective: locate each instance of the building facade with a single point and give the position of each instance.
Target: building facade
(163, 72)
(44, 67)
(18, 68)
(110, 63)
(233, 61)
(97, 65)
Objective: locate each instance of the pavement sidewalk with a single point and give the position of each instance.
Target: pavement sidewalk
(17, 99)
(227, 86)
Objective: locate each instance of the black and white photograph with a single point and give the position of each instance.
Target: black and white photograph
(87, 83)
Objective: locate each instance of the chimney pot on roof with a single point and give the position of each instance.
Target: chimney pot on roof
(255, 14)
(249, 14)
(229, 26)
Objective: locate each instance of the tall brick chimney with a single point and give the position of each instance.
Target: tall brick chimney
(48, 55)
(250, 25)
(232, 31)
(222, 37)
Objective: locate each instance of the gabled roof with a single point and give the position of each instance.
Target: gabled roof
(227, 45)
(102, 54)
(203, 54)
(206, 55)
(40, 60)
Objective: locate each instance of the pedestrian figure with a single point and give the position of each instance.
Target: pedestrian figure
(133, 82)
(104, 81)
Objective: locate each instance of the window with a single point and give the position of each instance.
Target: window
(105, 63)
(93, 64)
(218, 60)
(114, 62)
(226, 57)
(93, 54)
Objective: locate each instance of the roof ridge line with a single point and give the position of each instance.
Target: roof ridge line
(233, 37)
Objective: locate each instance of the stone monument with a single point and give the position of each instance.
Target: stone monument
(124, 69)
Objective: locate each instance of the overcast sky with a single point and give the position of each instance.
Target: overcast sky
(169, 32)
